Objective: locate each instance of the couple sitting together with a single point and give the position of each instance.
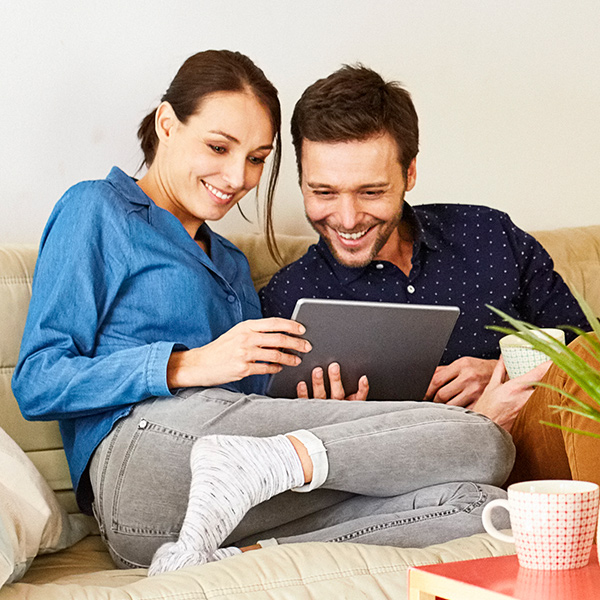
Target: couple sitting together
(146, 340)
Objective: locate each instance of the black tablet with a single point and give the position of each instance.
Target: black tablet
(397, 346)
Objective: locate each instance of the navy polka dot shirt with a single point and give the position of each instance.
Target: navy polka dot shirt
(465, 256)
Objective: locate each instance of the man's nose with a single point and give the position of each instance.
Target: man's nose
(348, 213)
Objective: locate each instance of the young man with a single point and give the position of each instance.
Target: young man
(356, 139)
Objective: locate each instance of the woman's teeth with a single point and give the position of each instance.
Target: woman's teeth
(217, 193)
(352, 236)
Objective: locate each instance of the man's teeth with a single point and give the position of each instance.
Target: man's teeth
(352, 236)
(218, 193)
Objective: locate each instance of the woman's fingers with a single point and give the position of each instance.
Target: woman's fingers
(273, 324)
(280, 340)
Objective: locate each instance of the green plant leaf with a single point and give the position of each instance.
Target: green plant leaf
(579, 431)
(575, 366)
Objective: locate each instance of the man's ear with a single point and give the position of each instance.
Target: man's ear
(165, 121)
(411, 175)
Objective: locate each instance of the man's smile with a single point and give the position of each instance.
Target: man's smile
(352, 236)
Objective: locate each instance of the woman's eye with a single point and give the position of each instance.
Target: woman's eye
(217, 149)
(256, 160)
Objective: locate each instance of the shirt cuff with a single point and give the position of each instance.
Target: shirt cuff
(156, 367)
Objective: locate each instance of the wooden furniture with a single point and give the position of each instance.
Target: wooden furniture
(499, 578)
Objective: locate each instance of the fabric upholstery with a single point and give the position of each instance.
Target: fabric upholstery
(32, 521)
(299, 571)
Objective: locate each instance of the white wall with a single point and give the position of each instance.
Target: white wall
(508, 92)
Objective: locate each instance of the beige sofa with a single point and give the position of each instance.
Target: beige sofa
(293, 571)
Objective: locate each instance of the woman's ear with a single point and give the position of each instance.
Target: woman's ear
(165, 122)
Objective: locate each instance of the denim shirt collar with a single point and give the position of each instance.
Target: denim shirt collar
(220, 261)
(423, 238)
(123, 184)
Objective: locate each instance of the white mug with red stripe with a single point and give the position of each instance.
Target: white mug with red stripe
(553, 522)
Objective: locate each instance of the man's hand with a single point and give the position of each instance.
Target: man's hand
(335, 384)
(502, 399)
(461, 382)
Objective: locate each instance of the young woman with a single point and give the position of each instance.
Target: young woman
(144, 339)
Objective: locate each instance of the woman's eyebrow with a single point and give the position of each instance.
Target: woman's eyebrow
(236, 141)
(225, 135)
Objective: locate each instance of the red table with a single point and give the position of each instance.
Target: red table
(500, 578)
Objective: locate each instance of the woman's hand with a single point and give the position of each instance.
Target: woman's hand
(502, 399)
(335, 384)
(254, 347)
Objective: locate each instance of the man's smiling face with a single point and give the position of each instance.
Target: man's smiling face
(354, 194)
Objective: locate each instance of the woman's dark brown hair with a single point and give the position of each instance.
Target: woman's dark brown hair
(355, 103)
(214, 71)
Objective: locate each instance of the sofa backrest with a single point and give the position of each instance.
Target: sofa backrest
(576, 252)
(40, 440)
(576, 255)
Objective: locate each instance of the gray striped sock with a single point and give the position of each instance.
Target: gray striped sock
(230, 475)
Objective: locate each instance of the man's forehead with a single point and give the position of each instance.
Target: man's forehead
(352, 163)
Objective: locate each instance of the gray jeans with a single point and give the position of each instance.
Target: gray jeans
(400, 473)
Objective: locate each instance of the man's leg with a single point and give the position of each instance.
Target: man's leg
(544, 452)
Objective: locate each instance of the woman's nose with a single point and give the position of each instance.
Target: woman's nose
(235, 173)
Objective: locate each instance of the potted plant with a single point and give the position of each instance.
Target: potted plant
(586, 376)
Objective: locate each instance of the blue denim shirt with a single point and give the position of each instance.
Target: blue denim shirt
(463, 255)
(119, 284)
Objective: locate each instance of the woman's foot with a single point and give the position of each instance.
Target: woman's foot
(230, 475)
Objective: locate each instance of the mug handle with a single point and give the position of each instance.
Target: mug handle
(486, 517)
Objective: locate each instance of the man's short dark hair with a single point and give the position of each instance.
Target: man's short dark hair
(356, 103)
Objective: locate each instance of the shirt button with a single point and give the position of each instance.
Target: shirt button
(379, 266)
(231, 298)
(410, 289)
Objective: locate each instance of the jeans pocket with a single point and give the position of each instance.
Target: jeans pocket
(152, 487)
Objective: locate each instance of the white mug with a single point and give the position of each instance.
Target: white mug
(520, 356)
(553, 521)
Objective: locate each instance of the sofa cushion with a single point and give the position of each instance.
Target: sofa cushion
(262, 264)
(299, 571)
(576, 255)
(31, 519)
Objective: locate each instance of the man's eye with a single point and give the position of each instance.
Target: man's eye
(322, 193)
(217, 149)
(372, 193)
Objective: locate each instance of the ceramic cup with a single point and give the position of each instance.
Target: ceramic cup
(520, 357)
(553, 522)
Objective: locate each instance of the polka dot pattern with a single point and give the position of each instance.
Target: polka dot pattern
(553, 531)
(464, 255)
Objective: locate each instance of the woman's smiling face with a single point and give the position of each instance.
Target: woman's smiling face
(206, 165)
